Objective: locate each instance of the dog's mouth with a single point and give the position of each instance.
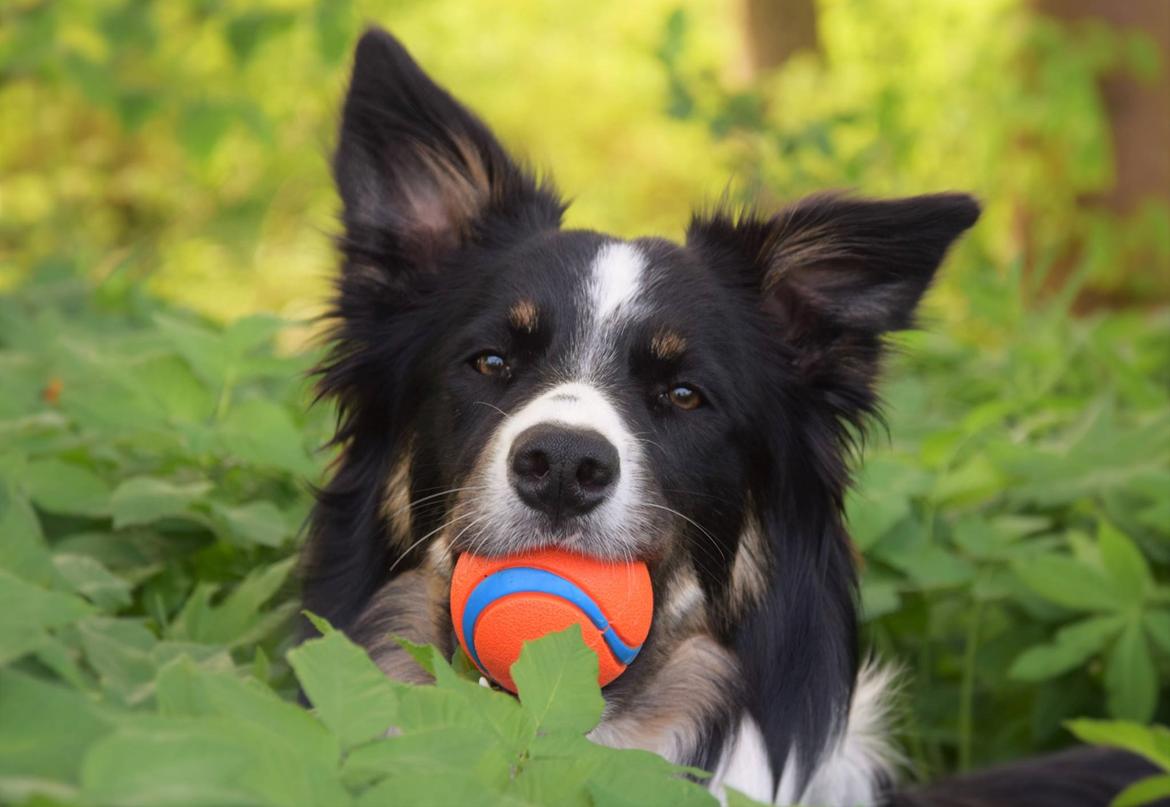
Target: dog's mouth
(488, 528)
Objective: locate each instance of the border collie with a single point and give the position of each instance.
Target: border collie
(505, 384)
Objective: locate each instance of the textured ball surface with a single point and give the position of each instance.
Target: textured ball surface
(497, 604)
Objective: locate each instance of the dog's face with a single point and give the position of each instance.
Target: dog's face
(588, 393)
(505, 384)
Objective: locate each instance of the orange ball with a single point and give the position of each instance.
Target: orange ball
(497, 604)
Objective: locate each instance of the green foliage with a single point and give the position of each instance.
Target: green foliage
(154, 462)
(145, 616)
(214, 733)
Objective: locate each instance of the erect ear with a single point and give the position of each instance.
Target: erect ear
(832, 266)
(417, 172)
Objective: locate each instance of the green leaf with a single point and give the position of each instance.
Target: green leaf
(335, 27)
(1073, 646)
(120, 651)
(974, 481)
(259, 522)
(435, 784)
(173, 388)
(1151, 742)
(423, 654)
(556, 679)
(1143, 792)
(260, 432)
(1124, 564)
(872, 516)
(63, 487)
(206, 760)
(1067, 582)
(1157, 624)
(432, 755)
(188, 690)
(27, 611)
(932, 566)
(45, 728)
(239, 619)
(320, 623)
(878, 598)
(349, 693)
(202, 125)
(635, 777)
(145, 499)
(249, 30)
(93, 581)
(22, 544)
(1131, 681)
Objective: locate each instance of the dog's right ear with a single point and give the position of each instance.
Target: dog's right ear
(417, 172)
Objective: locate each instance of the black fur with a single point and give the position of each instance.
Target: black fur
(1083, 776)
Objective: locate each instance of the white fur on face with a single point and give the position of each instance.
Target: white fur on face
(616, 279)
(618, 527)
(615, 528)
(611, 300)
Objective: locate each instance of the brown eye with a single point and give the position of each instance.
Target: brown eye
(685, 397)
(491, 364)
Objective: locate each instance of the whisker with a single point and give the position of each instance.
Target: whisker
(475, 547)
(440, 528)
(422, 499)
(492, 406)
(637, 436)
(697, 525)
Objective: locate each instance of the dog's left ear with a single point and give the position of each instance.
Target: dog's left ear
(832, 267)
(417, 171)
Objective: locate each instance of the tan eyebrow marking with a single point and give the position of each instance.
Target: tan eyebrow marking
(668, 344)
(523, 316)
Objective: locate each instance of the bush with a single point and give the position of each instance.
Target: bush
(154, 461)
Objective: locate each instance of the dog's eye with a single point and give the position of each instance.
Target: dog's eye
(684, 397)
(491, 364)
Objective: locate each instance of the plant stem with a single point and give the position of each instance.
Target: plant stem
(967, 688)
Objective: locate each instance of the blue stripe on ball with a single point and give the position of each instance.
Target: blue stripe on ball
(526, 580)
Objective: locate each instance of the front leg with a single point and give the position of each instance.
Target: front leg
(671, 707)
(413, 606)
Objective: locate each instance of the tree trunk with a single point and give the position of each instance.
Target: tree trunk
(1139, 111)
(776, 29)
(1139, 122)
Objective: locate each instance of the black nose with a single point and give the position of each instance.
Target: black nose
(562, 471)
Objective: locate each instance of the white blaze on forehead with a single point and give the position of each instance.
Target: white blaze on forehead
(612, 298)
(616, 279)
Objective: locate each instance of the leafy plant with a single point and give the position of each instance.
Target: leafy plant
(154, 462)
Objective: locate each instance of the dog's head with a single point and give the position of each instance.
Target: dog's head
(506, 384)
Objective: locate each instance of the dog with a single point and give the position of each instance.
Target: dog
(505, 384)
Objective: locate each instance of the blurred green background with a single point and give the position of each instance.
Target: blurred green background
(185, 144)
(166, 217)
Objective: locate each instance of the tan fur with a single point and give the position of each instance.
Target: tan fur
(412, 606)
(396, 502)
(453, 195)
(523, 316)
(668, 344)
(667, 716)
(747, 570)
(682, 600)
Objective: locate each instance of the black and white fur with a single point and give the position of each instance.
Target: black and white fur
(467, 321)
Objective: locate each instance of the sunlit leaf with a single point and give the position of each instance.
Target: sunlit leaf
(556, 678)
(1131, 680)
